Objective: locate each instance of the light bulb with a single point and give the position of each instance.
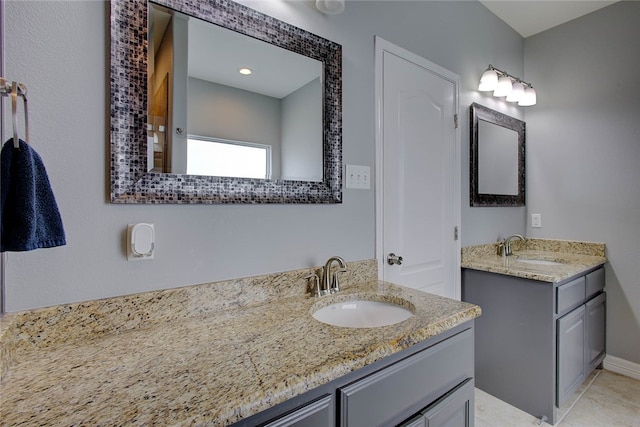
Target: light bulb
(517, 91)
(504, 87)
(529, 98)
(488, 81)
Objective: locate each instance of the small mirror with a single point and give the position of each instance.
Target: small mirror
(497, 158)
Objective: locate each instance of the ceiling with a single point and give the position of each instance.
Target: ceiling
(529, 17)
(216, 54)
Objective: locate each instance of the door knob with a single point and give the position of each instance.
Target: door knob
(394, 259)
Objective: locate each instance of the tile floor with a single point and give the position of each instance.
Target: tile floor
(606, 399)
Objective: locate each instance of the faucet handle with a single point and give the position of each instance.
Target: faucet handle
(501, 249)
(316, 285)
(335, 285)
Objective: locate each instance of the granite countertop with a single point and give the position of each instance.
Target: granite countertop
(573, 258)
(213, 368)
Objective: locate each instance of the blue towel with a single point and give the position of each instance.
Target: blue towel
(30, 216)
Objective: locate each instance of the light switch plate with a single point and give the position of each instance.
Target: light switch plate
(358, 177)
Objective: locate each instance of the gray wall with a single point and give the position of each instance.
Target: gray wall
(302, 133)
(61, 51)
(583, 150)
(220, 111)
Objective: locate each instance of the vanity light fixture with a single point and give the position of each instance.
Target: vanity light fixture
(529, 98)
(503, 84)
(330, 7)
(504, 87)
(245, 71)
(517, 92)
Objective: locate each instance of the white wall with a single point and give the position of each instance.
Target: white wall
(583, 150)
(61, 51)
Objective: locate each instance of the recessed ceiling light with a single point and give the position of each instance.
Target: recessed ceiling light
(245, 71)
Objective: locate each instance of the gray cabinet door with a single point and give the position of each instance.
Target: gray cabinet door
(595, 318)
(317, 414)
(571, 363)
(454, 410)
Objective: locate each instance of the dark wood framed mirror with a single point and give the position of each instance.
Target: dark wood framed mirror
(133, 178)
(497, 169)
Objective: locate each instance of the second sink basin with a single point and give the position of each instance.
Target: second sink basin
(362, 314)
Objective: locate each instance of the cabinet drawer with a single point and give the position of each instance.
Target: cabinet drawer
(595, 282)
(570, 295)
(393, 393)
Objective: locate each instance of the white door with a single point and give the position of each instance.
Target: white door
(418, 174)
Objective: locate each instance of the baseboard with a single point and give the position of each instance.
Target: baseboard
(622, 367)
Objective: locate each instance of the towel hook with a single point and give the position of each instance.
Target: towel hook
(16, 89)
(14, 114)
(22, 91)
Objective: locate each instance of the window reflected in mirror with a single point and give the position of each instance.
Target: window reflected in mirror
(208, 156)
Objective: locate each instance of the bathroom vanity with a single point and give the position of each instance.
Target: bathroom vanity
(543, 326)
(245, 352)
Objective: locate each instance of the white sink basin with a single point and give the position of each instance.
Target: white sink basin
(538, 261)
(362, 314)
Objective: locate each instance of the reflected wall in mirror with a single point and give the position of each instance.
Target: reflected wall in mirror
(497, 158)
(159, 136)
(254, 110)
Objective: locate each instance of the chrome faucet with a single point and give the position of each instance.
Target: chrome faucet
(506, 246)
(327, 275)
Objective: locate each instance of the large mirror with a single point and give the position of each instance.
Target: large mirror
(497, 175)
(179, 105)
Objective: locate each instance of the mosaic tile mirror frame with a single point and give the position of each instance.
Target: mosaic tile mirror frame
(129, 177)
(513, 169)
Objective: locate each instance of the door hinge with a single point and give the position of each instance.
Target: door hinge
(455, 233)
(455, 121)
